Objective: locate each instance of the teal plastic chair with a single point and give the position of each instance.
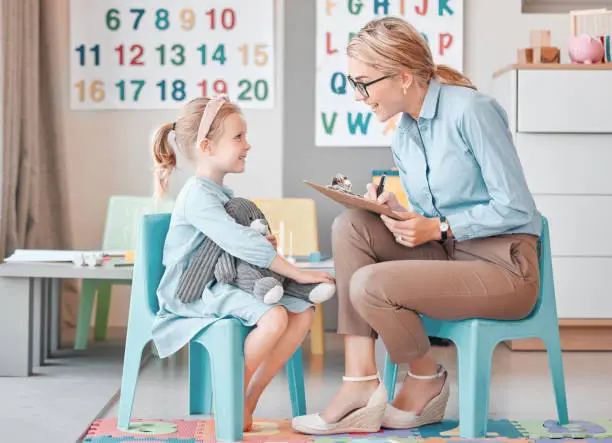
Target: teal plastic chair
(476, 340)
(120, 234)
(216, 355)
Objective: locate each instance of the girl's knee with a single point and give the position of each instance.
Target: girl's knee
(274, 321)
(305, 318)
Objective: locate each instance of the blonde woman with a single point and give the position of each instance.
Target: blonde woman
(467, 246)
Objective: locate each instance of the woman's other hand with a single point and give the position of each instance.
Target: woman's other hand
(386, 198)
(414, 230)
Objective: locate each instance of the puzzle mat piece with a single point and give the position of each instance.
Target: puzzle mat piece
(132, 439)
(375, 438)
(168, 429)
(574, 440)
(450, 428)
(383, 433)
(575, 429)
(271, 431)
(475, 440)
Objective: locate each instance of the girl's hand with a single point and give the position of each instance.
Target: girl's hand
(272, 239)
(305, 277)
(414, 230)
(386, 198)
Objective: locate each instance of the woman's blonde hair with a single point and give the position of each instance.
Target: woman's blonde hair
(185, 138)
(389, 44)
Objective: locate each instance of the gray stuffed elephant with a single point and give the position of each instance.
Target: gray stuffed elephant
(211, 262)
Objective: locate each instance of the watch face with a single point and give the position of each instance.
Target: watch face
(444, 226)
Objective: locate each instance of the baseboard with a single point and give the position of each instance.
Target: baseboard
(576, 335)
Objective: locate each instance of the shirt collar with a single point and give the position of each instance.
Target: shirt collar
(216, 186)
(430, 105)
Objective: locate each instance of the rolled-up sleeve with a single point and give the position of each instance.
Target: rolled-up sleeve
(207, 213)
(484, 127)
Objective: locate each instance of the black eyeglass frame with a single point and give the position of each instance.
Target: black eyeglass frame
(363, 87)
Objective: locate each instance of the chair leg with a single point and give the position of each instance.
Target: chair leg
(102, 311)
(555, 362)
(200, 387)
(390, 377)
(317, 333)
(227, 358)
(295, 373)
(86, 302)
(474, 384)
(131, 367)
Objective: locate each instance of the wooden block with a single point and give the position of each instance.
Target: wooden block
(524, 56)
(546, 54)
(540, 38)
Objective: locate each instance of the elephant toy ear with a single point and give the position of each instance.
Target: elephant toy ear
(199, 272)
(225, 271)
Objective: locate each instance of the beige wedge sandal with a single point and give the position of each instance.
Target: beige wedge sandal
(432, 413)
(366, 419)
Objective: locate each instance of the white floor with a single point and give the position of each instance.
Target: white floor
(65, 396)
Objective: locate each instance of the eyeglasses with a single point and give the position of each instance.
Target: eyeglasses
(362, 88)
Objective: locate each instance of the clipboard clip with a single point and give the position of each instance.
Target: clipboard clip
(341, 182)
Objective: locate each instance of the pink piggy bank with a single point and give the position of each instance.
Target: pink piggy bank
(585, 49)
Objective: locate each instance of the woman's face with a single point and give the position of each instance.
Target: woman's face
(385, 97)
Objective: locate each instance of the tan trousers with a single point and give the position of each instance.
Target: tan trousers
(383, 286)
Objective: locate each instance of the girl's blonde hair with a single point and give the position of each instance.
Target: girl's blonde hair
(185, 138)
(389, 44)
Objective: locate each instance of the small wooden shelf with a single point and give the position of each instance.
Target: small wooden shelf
(576, 335)
(554, 67)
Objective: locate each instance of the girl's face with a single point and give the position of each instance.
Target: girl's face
(385, 97)
(228, 153)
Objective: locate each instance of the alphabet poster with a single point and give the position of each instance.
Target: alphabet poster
(339, 119)
(157, 54)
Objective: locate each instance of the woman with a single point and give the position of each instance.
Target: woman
(467, 248)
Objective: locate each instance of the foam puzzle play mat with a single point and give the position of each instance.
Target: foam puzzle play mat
(279, 431)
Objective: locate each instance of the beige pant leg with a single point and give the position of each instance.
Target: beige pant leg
(360, 238)
(495, 278)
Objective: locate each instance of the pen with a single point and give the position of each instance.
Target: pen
(381, 185)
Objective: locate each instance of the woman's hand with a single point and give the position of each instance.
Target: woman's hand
(386, 198)
(414, 230)
(272, 239)
(306, 276)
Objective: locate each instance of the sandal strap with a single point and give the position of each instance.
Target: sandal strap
(439, 374)
(366, 378)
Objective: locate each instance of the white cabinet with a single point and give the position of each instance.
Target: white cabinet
(561, 120)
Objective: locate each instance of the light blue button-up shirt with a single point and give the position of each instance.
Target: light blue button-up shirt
(458, 160)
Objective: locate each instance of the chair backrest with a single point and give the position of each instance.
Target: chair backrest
(148, 266)
(546, 300)
(123, 219)
(299, 217)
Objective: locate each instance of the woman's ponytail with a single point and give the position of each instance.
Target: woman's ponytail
(164, 158)
(449, 76)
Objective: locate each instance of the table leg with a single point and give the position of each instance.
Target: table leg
(46, 317)
(16, 300)
(38, 322)
(55, 323)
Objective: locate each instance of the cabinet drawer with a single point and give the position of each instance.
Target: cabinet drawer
(566, 163)
(582, 287)
(564, 101)
(578, 225)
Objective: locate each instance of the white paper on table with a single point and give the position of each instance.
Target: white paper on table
(52, 255)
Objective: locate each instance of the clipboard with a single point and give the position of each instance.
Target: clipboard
(354, 201)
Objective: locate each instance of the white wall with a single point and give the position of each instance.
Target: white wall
(109, 151)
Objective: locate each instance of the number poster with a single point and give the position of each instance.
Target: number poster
(155, 54)
(339, 119)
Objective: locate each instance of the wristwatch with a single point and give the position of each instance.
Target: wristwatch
(444, 227)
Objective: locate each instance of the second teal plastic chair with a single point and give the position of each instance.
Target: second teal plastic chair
(216, 355)
(476, 339)
(120, 234)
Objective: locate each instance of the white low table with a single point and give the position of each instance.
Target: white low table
(30, 321)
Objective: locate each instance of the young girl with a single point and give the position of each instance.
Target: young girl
(211, 133)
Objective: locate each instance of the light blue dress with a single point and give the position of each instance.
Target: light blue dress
(199, 213)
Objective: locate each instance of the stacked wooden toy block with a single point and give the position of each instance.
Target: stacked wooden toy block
(540, 50)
